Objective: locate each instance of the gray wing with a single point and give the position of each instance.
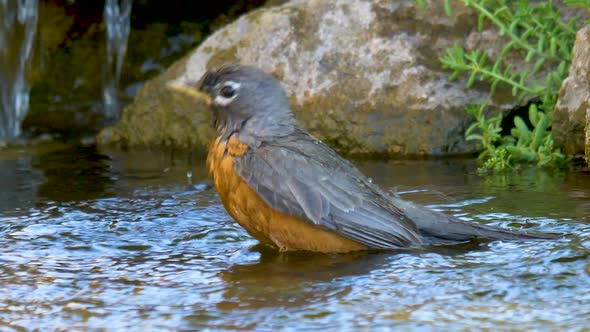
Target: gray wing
(306, 179)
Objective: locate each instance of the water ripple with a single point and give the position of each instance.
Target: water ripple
(153, 252)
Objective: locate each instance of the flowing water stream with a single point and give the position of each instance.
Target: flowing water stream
(116, 15)
(18, 28)
(18, 24)
(128, 241)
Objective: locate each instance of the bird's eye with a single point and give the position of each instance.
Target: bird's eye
(227, 91)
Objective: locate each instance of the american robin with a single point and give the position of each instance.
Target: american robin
(290, 190)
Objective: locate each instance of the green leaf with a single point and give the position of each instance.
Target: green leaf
(497, 65)
(520, 153)
(474, 137)
(527, 34)
(556, 79)
(500, 10)
(522, 95)
(539, 131)
(508, 70)
(538, 64)
(548, 82)
(513, 28)
(482, 60)
(472, 78)
(448, 8)
(507, 49)
(523, 130)
(533, 114)
(541, 43)
(471, 128)
(509, 139)
(493, 87)
(523, 77)
(480, 22)
(552, 46)
(530, 55)
(561, 69)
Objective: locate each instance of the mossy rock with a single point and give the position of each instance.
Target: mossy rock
(363, 76)
(162, 118)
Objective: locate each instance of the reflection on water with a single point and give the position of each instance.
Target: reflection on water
(129, 241)
(74, 173)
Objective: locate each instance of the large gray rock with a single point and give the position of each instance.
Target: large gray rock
(573, 103)
(362, 75)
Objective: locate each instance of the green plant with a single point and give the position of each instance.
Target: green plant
(487, 133)
(536, 34)
(523, 145)
(573, 3)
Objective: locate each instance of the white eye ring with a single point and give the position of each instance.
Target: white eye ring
(225, 100)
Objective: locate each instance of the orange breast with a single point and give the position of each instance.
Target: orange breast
(258, 218)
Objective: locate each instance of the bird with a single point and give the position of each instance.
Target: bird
(291, 191)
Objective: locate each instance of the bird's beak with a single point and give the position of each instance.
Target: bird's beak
(191, 90)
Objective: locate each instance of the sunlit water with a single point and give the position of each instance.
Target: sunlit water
(127, 241)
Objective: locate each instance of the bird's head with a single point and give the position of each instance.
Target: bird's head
(244, 99)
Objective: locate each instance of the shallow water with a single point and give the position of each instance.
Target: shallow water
(128, 241)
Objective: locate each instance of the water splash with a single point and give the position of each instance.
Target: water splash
(116, 16)
(18, 26)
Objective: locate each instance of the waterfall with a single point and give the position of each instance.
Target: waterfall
(116, 16)
(18, 26)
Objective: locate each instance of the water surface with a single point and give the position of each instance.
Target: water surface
(139, 240)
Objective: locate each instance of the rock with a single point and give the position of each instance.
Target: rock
(573, 103)
(364, 76)
(161, 118)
